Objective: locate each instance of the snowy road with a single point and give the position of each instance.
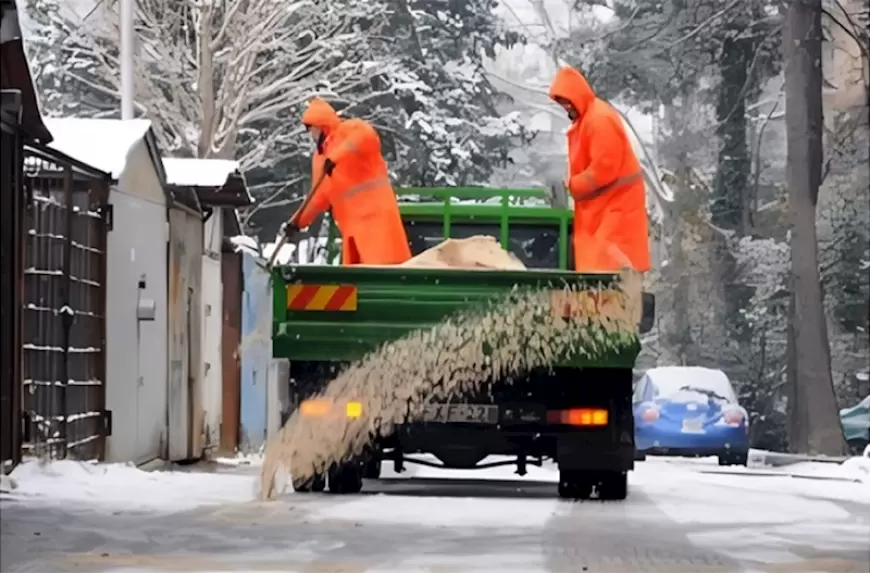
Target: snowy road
(681, 516)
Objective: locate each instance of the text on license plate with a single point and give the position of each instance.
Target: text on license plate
(693, 426)
(459, 413)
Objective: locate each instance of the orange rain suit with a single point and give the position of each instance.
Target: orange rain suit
(606, 181)
(358, 191)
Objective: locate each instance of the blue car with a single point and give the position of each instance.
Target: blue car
(690, 411)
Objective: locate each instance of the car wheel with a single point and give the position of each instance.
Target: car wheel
(857, 446)
(733, 458)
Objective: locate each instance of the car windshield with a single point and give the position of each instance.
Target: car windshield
(679, 384)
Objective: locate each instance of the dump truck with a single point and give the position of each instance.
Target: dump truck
(577, 413)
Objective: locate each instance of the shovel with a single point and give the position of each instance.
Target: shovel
(283, 240)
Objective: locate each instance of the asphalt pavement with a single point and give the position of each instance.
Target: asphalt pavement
(678, 518)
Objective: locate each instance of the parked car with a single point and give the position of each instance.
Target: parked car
(856, 425)
(690, 411)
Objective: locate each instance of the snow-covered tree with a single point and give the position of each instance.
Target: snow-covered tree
(445, 129)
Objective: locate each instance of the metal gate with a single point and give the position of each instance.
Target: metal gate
(63, 339)
(11, 195)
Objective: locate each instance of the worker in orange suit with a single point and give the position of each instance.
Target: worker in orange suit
(356, 187)
(605, 179)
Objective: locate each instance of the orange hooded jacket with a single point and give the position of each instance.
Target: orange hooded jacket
(358, 191)
(606, 181)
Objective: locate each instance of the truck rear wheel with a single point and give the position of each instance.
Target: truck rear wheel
(613, 486)
(373, 469)
(316, 483)
(346, 478)
(575, 484)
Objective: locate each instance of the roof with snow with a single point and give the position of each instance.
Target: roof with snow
(103, 143)
(217, 182)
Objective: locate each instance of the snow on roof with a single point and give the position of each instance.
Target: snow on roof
(187, 172)
(100, 143)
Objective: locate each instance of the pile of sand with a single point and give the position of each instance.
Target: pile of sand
(461, 354)
(477, 252)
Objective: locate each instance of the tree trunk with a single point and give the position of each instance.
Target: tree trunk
(812, 353)
(798, 415)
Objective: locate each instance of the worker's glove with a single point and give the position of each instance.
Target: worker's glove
(328, 166)
(289, 230)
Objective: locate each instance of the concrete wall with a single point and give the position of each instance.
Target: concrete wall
(256, 353)
(136, 351)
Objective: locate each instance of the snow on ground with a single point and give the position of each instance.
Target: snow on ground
(767, 517)
(120, 486)
(241, 459)
(447, 512)
(859, 467)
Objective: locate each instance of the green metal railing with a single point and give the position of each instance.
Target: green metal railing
(505, 207)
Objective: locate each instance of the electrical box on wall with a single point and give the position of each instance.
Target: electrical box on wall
(146, 311)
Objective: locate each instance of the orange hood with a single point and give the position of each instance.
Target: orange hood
(320, 114)
(570, 84)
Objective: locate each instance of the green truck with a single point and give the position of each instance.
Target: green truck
(577, 413)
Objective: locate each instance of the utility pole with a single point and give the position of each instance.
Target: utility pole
(127, 89)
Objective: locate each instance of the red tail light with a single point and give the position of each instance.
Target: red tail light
(650, 415)
(733, 417)
(579, 417)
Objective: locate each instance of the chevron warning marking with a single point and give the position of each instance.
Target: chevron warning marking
(337, 298)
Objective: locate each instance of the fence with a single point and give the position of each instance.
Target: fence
(64, 324)
(11, 193)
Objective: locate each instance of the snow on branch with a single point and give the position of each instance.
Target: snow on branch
(215, 76)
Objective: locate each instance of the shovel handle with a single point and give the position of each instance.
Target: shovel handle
(283, 240)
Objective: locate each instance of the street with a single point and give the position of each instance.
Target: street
(681, 516)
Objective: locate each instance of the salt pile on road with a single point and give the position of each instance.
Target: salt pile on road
(457, 356)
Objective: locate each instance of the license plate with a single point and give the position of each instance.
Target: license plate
(459, 413)
(693, 426)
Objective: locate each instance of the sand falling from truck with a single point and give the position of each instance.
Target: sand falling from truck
(460, 355)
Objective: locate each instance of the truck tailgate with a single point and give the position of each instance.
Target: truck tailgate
(330, 313)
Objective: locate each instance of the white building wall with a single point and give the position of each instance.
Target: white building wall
(136, 390)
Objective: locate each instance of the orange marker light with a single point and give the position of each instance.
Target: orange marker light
(312, 408)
